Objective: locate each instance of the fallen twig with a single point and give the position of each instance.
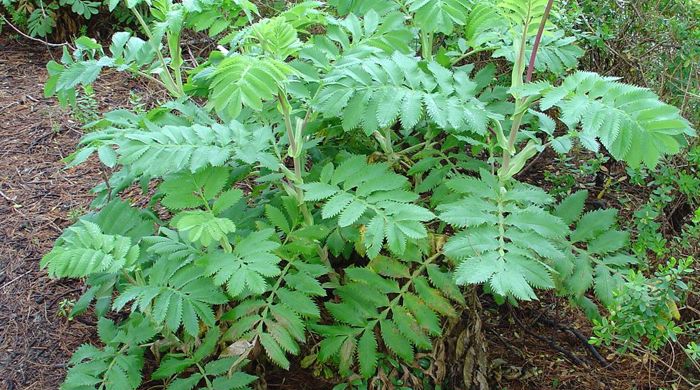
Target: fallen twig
(583, 339)
(35, 39)
(7, 198)
(570, 356)
(680, 375)
(15, 279)
(8, 106)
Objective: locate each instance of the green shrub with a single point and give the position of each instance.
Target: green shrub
(338, 171)
(41, 19)
(646, 309)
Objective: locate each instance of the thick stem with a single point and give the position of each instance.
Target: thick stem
(386, 145)
(518, 81)
(517, 120)
(519, 66)
(538, 39)
(176, 58)
(427, 45)
(295, 152)
(387, 138)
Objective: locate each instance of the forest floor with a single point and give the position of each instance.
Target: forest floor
(537, 346)
(38, 196)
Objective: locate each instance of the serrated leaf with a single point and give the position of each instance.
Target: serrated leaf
(542, 223)
(226, 200)
(512, 282)
(395, 341)
(352, 213)
(283, 338)
(299, 302)
(608, 242)
(273, 351)
(187, 190)
(570, 209)
(185, 383)
(367, 353)
(335, 205)
(593, 223)
(582, 277)
(410, 329)
(347, 353)
(329, 347)
(277, 218)
(203, 226)
(426, 318)
(172, 364)
(208, 344)
(388, 266)
(318, 191)
(606, 284)
(445, 283)
(631, 122)
(243, 80)
(238, 380)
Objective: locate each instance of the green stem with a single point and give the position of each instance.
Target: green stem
(226, 245)
(427, 45)
(501, 227)
(294, 149)
(453, 167)
(204, 375)
(113, 362)
(168, 81)
(268, 303)
(519, 66)
(518, 70)
(387, 138)
(410, 149)
(472, 52)
(517, 120)
(176, 58)
(131, 279)
(151, 78)
(276, 287)
(406, 286)
(386, 145)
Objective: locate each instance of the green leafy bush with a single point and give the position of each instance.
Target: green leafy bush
(42, 19)
(645, 310)
(321, 173)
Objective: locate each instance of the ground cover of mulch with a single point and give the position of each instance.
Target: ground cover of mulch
(540, 345)
(37, 199)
